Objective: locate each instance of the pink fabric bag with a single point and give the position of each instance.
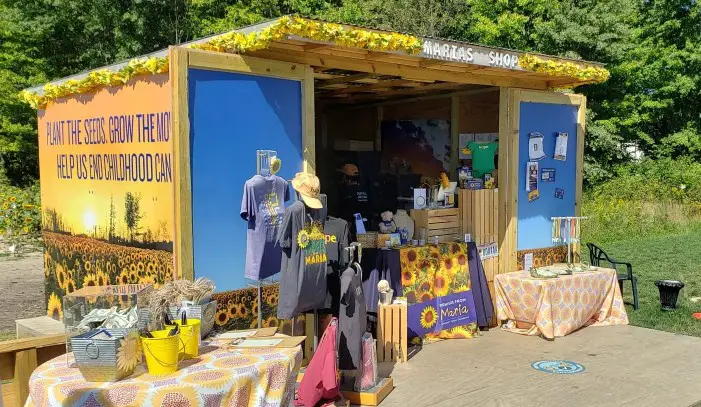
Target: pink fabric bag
(321, 379)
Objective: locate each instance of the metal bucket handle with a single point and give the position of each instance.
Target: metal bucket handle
(97, 349)
(180, 358)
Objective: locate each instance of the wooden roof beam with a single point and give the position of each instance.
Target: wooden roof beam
(395, 69)
(345, 79)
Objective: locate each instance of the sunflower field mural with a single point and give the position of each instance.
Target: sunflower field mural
(238, 309)
(436, 284)
(107, 188)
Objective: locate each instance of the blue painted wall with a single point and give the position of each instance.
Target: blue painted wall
(231, 116)
(534, 224)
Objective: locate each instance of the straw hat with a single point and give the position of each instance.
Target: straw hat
(308, 186)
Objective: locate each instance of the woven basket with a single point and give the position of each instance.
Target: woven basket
(205, 313)
(97, 358)
(368, 240)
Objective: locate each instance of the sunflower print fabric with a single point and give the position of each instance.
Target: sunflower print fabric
(434, 271)
(226, 377)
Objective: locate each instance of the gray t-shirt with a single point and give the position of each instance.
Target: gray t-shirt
(303, 266)
(263, 207)
(352, 320)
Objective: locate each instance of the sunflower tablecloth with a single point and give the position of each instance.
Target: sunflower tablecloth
(556, 307)
(220, 376)
(436, 283)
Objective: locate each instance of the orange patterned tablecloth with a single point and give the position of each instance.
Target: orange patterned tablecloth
(219, 376)
(555, 307)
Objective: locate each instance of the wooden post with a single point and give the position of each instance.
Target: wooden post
(25, 363)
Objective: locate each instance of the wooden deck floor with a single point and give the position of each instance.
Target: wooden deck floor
(625, 366)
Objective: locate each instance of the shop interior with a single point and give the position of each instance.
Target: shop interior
(380, 136)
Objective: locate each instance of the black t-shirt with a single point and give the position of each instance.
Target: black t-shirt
(336, 234)
(303, 265)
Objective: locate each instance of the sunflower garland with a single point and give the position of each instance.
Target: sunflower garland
(564, 68)
(233, 42)
(338, 34)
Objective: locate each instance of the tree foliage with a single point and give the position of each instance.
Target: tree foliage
(652, 48)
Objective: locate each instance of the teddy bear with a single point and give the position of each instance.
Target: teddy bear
(387, 225)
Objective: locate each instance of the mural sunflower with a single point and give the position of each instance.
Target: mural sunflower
(411, 256)
(462, 259)
(441, 284)
(123, 278)
(70, 286)
(90, 280)
(222, 318)
(270, 322)
(425, 296)
(133, 276)
(410, 296)
(129, 352)
(102, 279)
(408, 277)
(61, 277)
(459, 332)
(53, 308)
(233, 311)
(429, 317)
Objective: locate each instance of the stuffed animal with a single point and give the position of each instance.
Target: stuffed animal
(387, 225)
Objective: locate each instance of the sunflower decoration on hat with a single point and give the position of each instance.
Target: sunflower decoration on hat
(309, 189)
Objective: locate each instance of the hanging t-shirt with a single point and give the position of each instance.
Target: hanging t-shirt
(303, 265)
(263, 207)
(482, 157)
(336, 234)
(352, 320)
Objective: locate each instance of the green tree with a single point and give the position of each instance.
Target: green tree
(132, 213)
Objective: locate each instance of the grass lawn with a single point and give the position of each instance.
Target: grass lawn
(676, 257)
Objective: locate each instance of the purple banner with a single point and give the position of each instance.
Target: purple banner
(441, 314)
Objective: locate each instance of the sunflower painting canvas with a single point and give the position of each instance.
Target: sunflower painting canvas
(107, 188)
(436, 284)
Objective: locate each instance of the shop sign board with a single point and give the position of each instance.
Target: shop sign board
(469, 54)
(441, 313)
(489, 250)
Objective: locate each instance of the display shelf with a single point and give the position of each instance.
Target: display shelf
(441, 223)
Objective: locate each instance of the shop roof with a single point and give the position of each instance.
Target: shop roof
(361, 55)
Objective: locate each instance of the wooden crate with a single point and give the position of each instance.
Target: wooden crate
(479, 214)
(392, 333)
(441, 223)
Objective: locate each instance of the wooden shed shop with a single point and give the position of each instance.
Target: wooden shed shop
(143, 162)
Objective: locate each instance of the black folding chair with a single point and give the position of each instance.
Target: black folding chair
(597, 255)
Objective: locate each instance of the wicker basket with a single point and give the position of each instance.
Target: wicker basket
(97, 358)
(205, 313)
(368, 240)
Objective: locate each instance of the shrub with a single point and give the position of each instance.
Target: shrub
(20, 213)
(650, 198)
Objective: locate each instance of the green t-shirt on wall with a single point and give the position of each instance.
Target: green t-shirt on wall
(482, 157)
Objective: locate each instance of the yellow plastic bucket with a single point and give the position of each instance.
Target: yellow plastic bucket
(189, 338)
(161, 352)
